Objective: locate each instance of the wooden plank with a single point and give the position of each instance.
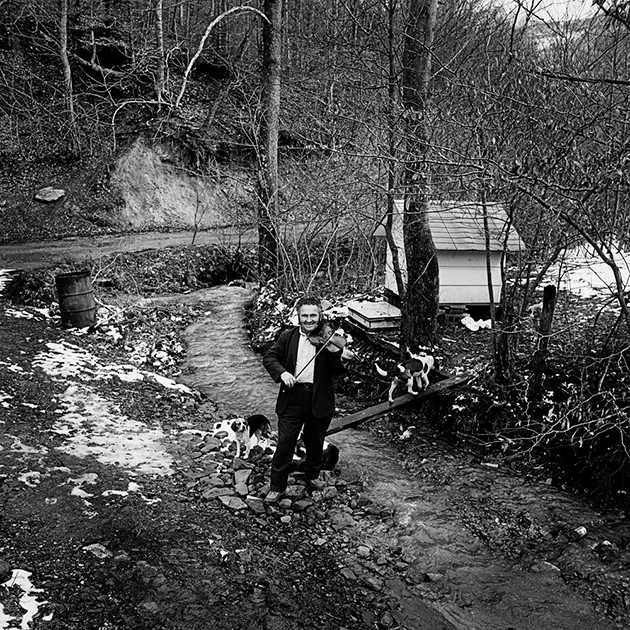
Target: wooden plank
(354, 419)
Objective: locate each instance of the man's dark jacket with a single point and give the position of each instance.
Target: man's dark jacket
(282, 356)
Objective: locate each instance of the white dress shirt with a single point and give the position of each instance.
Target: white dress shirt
(306, 352)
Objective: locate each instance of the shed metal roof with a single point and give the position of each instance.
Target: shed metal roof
(458, 225)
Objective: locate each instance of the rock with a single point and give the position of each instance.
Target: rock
(285, 519)
(341, 520)
(374, 583)
(295, 493)
(285, 504)
(368, 618)
(98, 550)
(300, 506)
(213, 493)
(239, 464)
(241, 489)
(234, 503)
(49, 194)
(330, 492)
(348, 573)
(363, 551)
(242, 476)
(214, 482)
(150, 607)
(255, 504)
(211, 444)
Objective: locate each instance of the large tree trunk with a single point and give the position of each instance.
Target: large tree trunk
(393, 170)
(420, 307)
(268, 142)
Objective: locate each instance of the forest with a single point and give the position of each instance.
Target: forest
(334, 109)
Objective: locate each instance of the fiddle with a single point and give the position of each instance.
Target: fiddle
(325, 336)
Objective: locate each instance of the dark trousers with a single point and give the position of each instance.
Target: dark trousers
(298, 414)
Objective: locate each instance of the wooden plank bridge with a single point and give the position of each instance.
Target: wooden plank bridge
(355, 419)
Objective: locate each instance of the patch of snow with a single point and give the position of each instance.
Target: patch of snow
(95, 427)
(5, 278)
(19, 447)
(28, 602)
(31, 479)
(3, 399)
(131, 488)
(13, 367)
(66, 360)
(12, 312)
(583, 273)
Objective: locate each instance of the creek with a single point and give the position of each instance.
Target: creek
(457, 519)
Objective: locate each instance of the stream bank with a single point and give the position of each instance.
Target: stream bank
(480, 549)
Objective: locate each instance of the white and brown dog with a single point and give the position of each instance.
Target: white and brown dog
(413, 371)
(244, 433)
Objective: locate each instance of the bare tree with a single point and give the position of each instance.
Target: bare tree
(67, 76)
(267, 179)
(420, 307)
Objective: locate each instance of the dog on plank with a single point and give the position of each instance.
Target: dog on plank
(413, 371)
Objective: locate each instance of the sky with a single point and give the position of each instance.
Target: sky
(555, 9)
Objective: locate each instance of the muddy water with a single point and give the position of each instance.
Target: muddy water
(471, 586)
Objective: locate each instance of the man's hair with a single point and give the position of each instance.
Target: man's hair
(308, 300)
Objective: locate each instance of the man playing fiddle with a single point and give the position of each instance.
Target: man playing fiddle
(303, 360)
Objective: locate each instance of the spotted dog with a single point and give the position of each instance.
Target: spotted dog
(244, 433)
(413, 371)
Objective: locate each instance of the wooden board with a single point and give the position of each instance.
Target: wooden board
(354, 419)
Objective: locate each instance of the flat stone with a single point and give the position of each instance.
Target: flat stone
(214, 482)
(348, 573)
(49, 194)
(255, 504)
(239, 464)
(242, 476)
(211, 444)
(213, 493)
(234, 503)
(300, 506)
(241, 489)
(374, 583)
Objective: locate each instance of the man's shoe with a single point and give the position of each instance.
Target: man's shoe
(273, 497)
(316, 484)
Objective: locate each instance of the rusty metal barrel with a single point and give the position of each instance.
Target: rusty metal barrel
(76, 299)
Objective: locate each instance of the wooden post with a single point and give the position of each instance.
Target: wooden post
(540, 356)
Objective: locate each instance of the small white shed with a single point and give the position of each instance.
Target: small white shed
(458, 234)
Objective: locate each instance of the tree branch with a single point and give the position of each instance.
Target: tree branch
(240, 8)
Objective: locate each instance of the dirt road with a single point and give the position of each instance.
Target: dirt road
(47, 253)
